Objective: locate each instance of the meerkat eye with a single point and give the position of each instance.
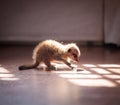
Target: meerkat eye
(69, 50)
(75, 55)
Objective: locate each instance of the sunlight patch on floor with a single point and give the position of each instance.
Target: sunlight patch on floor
(6, 75)
(113, 76)
(114, 70)
(100, 70)
(81, 76)
(89, 65)
(93, 83)
(71, 72)
(94, 75)
(109, 65)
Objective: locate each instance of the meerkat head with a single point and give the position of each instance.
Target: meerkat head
(73, 52)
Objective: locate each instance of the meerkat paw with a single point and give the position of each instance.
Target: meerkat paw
(51, 68)
(73, 66)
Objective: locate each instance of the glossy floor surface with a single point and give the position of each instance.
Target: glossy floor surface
(97, 81)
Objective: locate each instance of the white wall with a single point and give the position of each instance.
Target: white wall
(34, 20)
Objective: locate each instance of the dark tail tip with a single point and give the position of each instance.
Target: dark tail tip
(21, 68)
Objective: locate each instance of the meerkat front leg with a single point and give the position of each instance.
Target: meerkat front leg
(68, 64)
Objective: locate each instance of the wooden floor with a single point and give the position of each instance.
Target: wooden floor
(97, 84)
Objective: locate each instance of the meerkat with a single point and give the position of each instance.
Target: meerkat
(51, 50)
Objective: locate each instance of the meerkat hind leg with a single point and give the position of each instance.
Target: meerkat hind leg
(49, 66)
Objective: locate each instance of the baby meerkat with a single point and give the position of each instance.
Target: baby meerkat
(50, 50)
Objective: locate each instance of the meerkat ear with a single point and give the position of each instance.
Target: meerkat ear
(69, 50)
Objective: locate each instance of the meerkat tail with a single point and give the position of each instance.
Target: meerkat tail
(24, 67)
(29, 66)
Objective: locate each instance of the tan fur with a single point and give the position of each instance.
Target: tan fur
(50, 50)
